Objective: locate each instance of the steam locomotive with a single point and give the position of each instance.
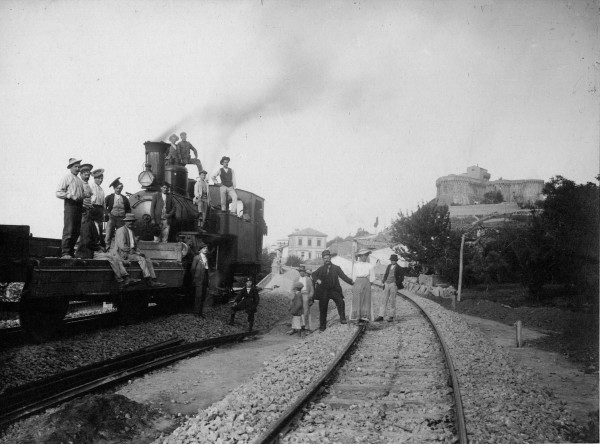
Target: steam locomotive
(234, 240)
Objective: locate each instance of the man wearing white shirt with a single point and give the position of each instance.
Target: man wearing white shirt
(126, 247)
(97, 191)
(227, 184)
(70, 190)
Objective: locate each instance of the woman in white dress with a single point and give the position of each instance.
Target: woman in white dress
(363, 274)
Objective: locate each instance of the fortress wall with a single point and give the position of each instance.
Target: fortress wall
(527, 190)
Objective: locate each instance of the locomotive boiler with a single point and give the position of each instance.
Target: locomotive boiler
(50, 282)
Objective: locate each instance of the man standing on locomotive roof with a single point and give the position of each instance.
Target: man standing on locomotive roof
(162, 211)
(70, 189)
(183, 153)
(117, 206)
(126, 248)
(328, 287)
(202, 198)
(200, 275)
(227, 184)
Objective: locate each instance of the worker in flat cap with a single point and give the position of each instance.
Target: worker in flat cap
(85, 171)
(199, 270)
(162, 211)
(227, 184)
(126, 248)
(116, 207)
(183, 153)
(328, 287)
(392, 282)
(70, 190)
(172, 157)
(202, 199)
(97, 191)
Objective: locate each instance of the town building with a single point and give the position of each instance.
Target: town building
(307, 243)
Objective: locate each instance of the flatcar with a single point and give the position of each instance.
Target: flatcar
(51, 283)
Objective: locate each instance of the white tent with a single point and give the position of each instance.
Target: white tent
(344, 264)
(382, 257)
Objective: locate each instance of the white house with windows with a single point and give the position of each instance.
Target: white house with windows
(307, 243)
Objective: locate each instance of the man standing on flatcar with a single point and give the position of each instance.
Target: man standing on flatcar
(97, 191)
(70, 189)
(84, 174)
(227, 184)
(126, 247)
(183, 152)
(117, 206)
(328, 287)
(162, 211)
(200, 275)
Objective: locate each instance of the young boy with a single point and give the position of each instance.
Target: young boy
(246, 300)
(296, 310)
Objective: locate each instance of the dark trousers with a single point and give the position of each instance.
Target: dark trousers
(250, 317)
(72, 226)
(324, 303)
(200, 295)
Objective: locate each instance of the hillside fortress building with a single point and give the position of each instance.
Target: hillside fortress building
(468, 188)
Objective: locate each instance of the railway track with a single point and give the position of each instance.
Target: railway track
(393, 382)
(29, 399)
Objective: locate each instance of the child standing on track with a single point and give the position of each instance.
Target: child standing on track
(297, 310)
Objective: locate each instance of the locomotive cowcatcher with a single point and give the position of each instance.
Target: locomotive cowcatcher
(50, 282)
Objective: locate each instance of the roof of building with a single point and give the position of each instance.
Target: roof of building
(307, 232)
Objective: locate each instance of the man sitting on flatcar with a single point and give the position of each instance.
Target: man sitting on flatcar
(126, 247)
(92, 246)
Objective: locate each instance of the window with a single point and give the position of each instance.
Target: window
(318, 242)
(309, 242)
(302, 254)
(299, 241)
(309, 255)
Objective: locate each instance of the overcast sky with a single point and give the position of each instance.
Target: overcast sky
(336, 112)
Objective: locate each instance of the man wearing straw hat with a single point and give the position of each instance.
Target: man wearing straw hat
(85, 170)
(227, 184)
(126, 247)
(70, 189)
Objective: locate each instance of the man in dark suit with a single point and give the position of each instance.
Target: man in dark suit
(392, 282)
(92, 246)
(200, 275)
(162, 211)
(328, 287)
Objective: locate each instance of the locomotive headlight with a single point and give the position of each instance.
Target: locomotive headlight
(146, 177)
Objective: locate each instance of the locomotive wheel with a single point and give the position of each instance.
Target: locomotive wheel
(43, 319)
(133, 307)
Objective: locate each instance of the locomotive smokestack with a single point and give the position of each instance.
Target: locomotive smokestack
(155, 157)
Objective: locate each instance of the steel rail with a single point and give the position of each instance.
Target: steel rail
(273, 433)
(461, 425)
(106, 375)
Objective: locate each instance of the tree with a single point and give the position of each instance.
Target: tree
(493, 197)
(571, 223)
(266, 260)
(334, 240)
(428, 240)
(293, 261)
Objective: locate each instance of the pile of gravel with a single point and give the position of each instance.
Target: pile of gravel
(23, 364)
(250, 409)
(503, 402)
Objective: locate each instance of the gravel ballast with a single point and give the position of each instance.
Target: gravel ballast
(20, 365)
